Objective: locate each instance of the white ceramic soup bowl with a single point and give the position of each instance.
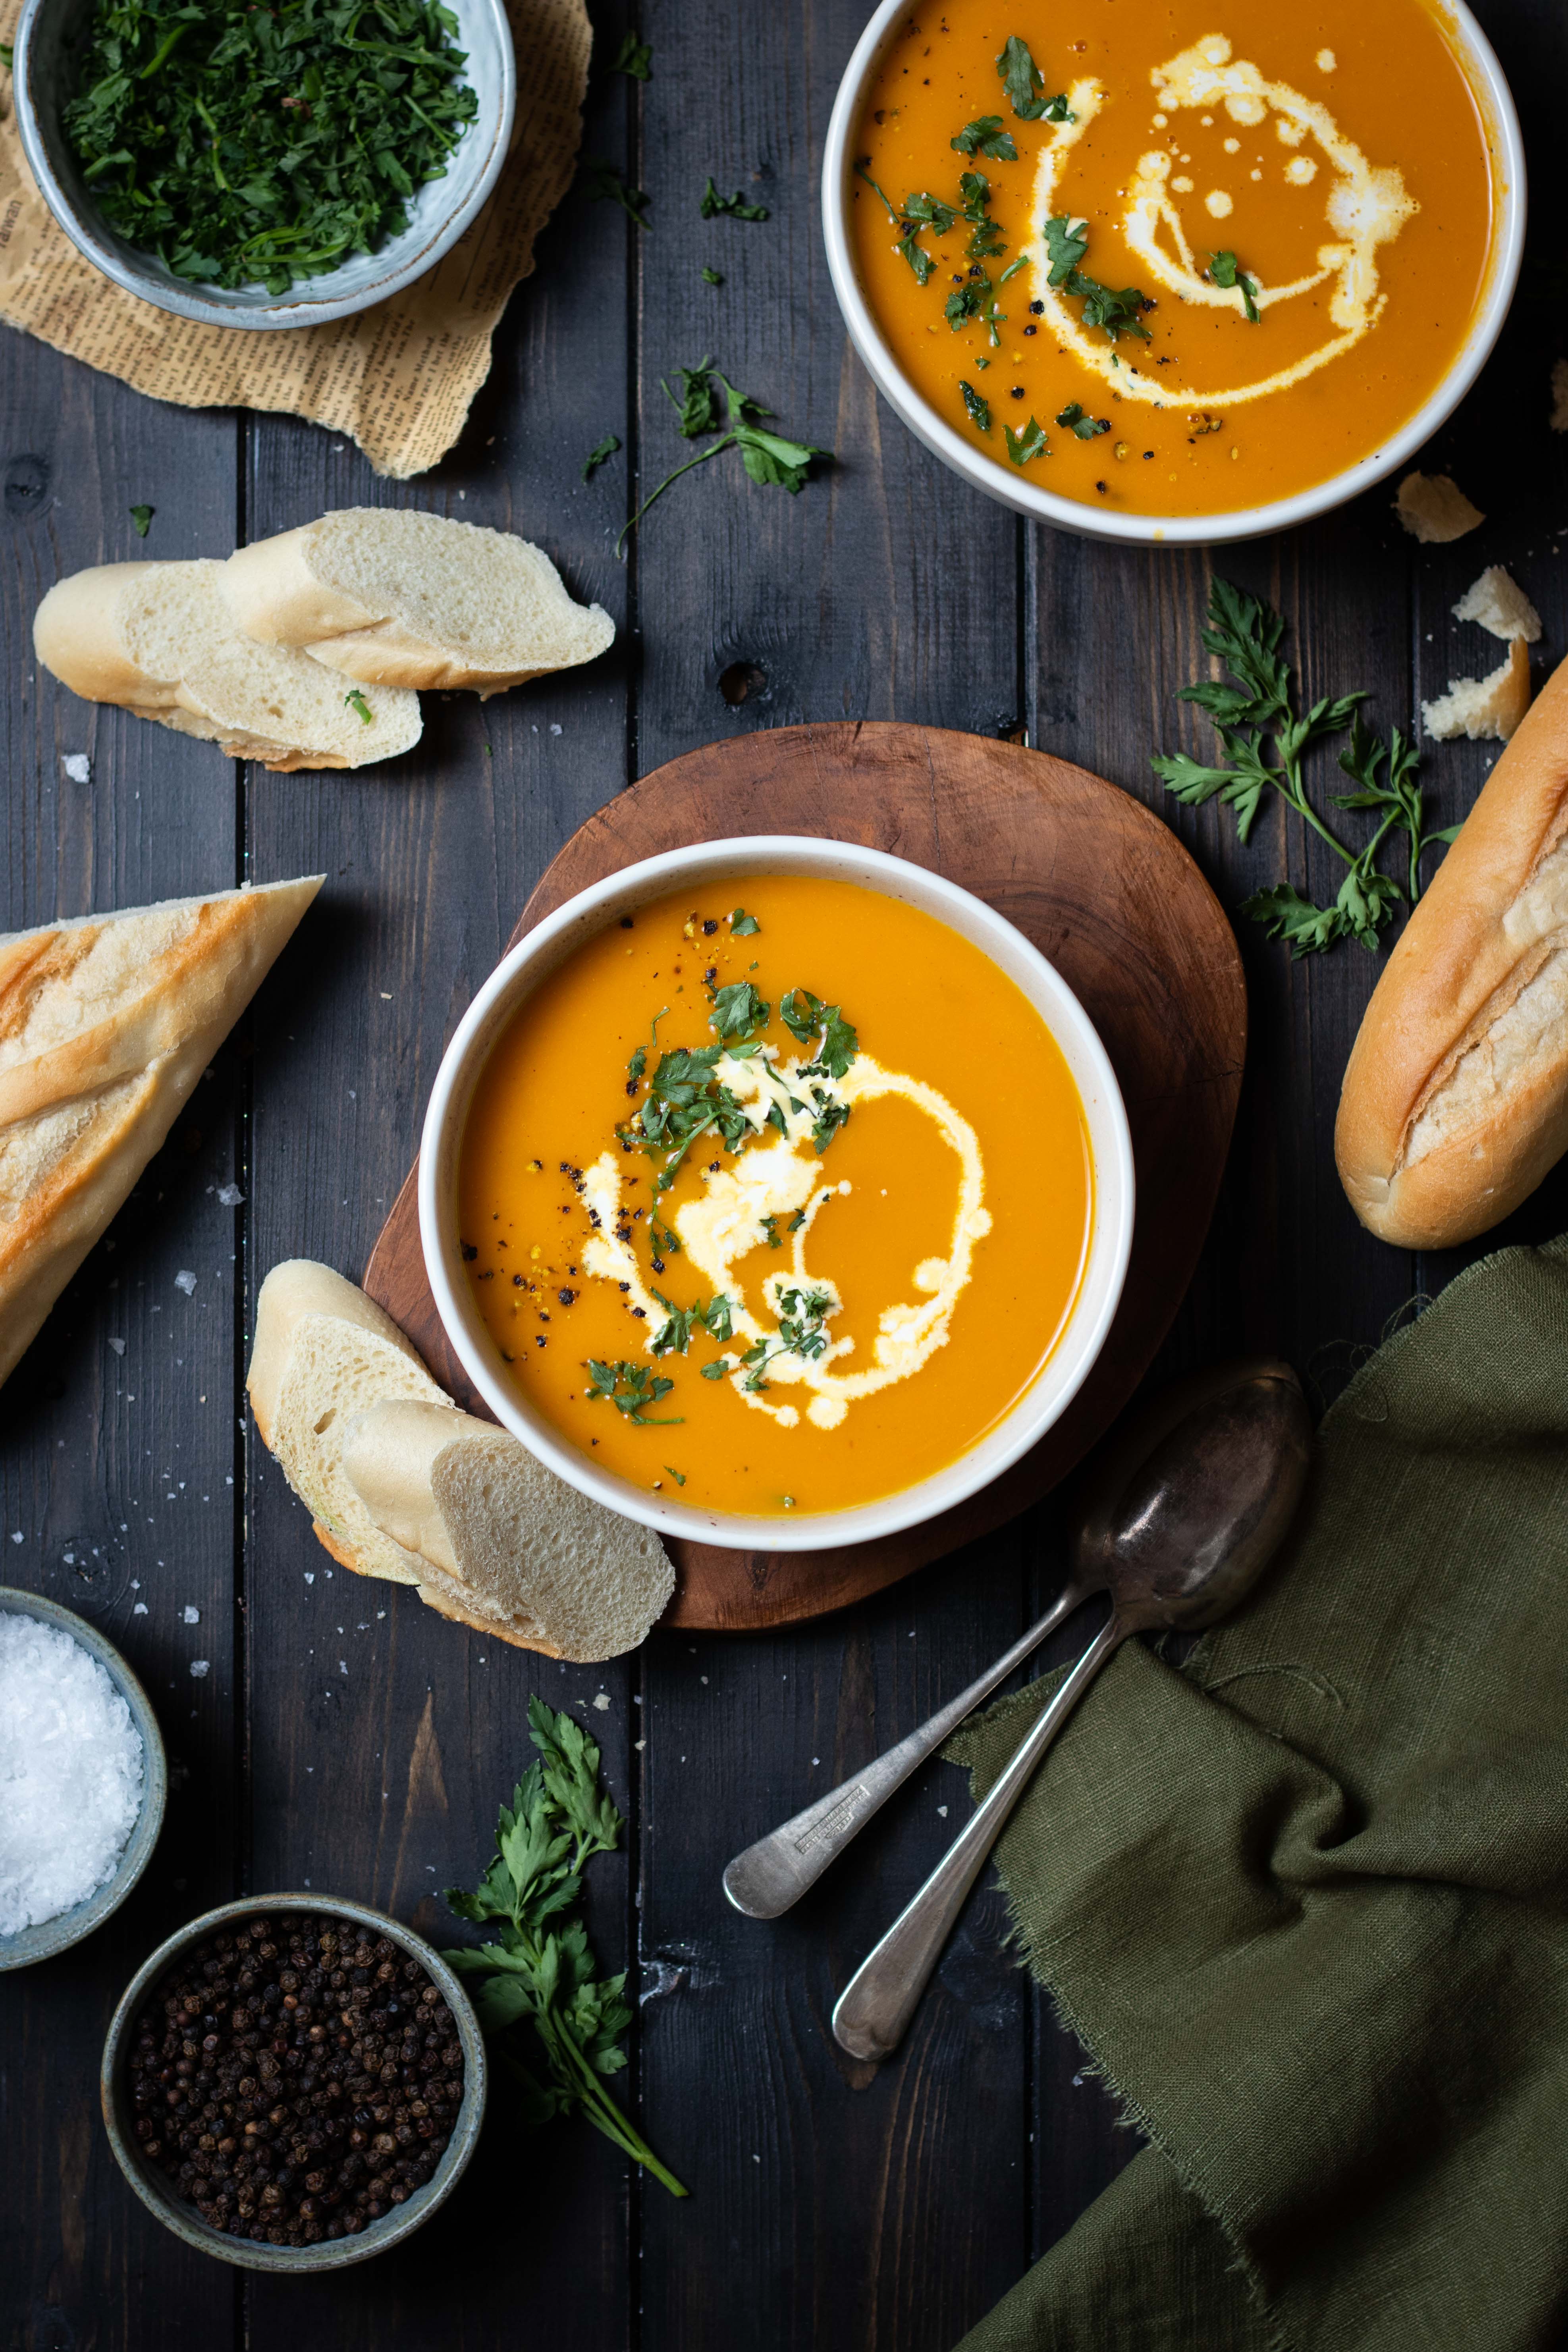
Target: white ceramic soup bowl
(1008, 484)
(705, 867)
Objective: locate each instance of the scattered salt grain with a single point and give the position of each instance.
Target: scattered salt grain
(603, 1701)
(139, 1610)
(118, 1346)
(191, 1615)
(187, 1281)
(200, 1667)
(77, 767)
(230, 1195)
(71, 1773)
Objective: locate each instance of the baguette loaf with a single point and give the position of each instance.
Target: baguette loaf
(402, 1486)
(160, 639)
(106, 1024)
(1454, 1102)
(400, 598)
(511, 1549)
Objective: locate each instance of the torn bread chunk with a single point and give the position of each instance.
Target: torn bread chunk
(509, 1547)
(1435, 510)
(1487, 709)
(400, 598)
(1497, 603)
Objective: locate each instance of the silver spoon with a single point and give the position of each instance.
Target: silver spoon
(1186, 1510)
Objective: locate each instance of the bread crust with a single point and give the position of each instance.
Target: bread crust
(277, 598)
(297, 1288)
(127, 1074)
(76, 639)
(1466, 955)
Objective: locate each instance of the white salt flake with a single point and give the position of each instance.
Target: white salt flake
(192, 1616)
(310, 1576)
(942, 1812)
(230, 1195)
(139, 1610)
(71, 1773)
(77, 767)
(603, 1701)
(639, 1744)
(200, 1667)
(187, 1281)
(118, 1346)
(17, 1535)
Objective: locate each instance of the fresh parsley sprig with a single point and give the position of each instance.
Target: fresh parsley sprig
(713, 206)
(1265, 740)
(770, 459)
(1116, 313)
(1025, 85)
(538, 1969)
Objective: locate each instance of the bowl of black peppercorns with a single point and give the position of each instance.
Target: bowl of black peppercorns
(291, 2084)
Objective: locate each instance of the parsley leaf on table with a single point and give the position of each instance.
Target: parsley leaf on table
(634, 57)
(606, 185)
(245, 145)
(770, 459)
(713, 277)
(713, 206)
(1025, 85)
(1265, 741)
(140, 518)
(538, 1969)
(596, 456)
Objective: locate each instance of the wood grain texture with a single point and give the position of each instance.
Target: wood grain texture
(834, 2208)
(1102, 888)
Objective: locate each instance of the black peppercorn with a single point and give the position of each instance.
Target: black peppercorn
(241, 2121)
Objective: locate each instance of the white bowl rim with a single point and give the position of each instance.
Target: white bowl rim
(1079, 1345)
(97, 244)
(987, 474)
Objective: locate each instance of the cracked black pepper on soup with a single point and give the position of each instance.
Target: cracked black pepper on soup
(295, 2078)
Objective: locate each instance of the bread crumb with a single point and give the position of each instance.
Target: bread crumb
(1487, 709)
(1560, 396)
(1501, 605)
(603, 1701)
(1435, 510)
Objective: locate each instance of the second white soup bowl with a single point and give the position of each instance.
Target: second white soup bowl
(702, 868)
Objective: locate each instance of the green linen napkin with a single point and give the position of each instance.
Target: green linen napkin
(1306, 1901)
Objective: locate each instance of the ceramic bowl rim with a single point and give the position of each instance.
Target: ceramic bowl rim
(49, 1937)
(1083, 1337)
(328, 2253)
(1490, 87)
(111, 256)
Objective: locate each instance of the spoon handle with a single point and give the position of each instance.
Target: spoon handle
(876, 2004)
(769, 1876)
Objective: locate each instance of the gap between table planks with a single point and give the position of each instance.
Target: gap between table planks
(1105, 890)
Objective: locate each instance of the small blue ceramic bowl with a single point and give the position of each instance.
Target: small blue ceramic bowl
(69, 1928)
(51, 36)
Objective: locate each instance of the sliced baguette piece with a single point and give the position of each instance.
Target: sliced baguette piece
(1454, 1102)
(106, 1024)
(160, 639)
(400, 598)
(511, 1548)
(322, 1352)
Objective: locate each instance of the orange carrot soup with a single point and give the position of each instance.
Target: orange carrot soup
(1169, 256)
(775, 1204)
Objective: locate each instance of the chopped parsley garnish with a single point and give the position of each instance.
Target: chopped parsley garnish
(979, 410)
(770, 461)
(715, 1318)
(674, 1335)
(637, 1064)
(713, 277)
(596, 456)
(634, 57)
(739, 1011)
(1116, 312)
(771, 1233)
(356, 702)
(987, 240)
(1084, 426)
(986, 136)
(1025, 85)
(266, 144)
(716, 1369)
(1224, 271)
(1030, 442)
(140, 518)
(714, 206)
(801, 1322)
(679, 1476)
(805, 1016)
(663, 1242)
(606, 185)
(742, 925)
(629, 1387)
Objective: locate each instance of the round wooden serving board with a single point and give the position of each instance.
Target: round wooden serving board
(1107, 893)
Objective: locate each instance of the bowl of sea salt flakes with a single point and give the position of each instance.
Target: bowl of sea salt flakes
(82, 1779)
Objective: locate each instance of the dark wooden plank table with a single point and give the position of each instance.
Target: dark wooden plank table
(342, 1737)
